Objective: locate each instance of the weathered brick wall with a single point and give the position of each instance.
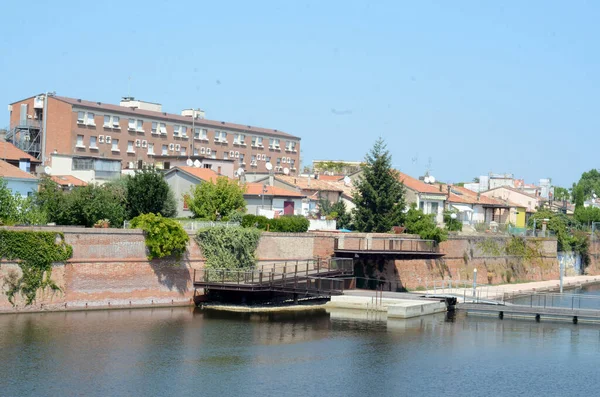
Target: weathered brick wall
(463, 254)
(109, 267)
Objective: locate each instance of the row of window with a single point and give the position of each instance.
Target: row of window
(178, 149)
(180, 131)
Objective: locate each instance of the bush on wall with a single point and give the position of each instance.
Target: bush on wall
(229, 247)
(164, 236)
(286, 224)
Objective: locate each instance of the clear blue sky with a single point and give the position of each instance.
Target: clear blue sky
(474, 87)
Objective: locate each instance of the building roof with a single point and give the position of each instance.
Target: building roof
(310, 183)
(419, 186)
(10, 171)
(256, 189)
(173, 117)
(465, 196)
(204, 174)
(68, 180)
(512, 189)
(8, 151)
(330, 178)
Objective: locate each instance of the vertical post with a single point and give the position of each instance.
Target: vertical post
(474, 282)
(561, 270)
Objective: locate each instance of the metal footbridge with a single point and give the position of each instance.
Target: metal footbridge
(319, 277)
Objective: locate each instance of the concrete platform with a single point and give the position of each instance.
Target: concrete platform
(394, 308)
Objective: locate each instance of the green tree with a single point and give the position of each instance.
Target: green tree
(589, 183)
(416, 222)
(587, 215)
(452, 224)
(379, 194)
(561, 194)
(91, 203)
(54, 202)
(148, 192)
(216, 200)
(8, 205)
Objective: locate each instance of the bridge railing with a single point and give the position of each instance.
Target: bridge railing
(392, 244)
(267, 274)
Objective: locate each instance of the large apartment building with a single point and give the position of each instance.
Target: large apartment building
(139, 133)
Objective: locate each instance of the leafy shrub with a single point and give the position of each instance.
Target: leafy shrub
(216, 200)
(285, 224)
(164, 236)
(453, 225)
(229, 247)
(424, 225)
(35, 253)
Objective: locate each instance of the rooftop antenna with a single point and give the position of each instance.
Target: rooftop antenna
(129, 86)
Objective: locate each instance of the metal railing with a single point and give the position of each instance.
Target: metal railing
(386, 244)
(269, 274)
(553, 300)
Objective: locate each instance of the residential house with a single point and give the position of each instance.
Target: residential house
(526, 204)
(18, 158)
(430, 198)
(182, 179)
(18, 181)
(475, 208)
(263, 199)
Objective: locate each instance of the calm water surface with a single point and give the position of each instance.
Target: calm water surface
(185, 351)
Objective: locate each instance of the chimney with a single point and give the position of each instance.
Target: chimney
(308, 180)
(271, 179)
(478, 196)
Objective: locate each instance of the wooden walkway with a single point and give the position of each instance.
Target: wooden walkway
(311, 277)
(537, 312)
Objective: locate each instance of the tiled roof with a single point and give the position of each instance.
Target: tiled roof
(255, 189)
(347, 190)
(465, 196)
(308, 183)
(330, 178)
(173, 117)
(8, 151)
(66, 180)
(10, 171)
(205, 174)
(419, 186)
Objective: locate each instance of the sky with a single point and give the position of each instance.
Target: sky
(458, 88)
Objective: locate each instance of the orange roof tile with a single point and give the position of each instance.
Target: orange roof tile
(308, 183)
(256, 189)
(10, 171)
(419, 186)
(205, 174)
(8, 151)
(66, 180)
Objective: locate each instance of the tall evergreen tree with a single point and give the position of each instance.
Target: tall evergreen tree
(379, 194)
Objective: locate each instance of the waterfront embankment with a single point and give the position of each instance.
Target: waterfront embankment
(502, 290)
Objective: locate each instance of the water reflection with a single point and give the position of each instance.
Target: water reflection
(335, 352)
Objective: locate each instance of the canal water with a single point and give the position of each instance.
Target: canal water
(185, 351)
